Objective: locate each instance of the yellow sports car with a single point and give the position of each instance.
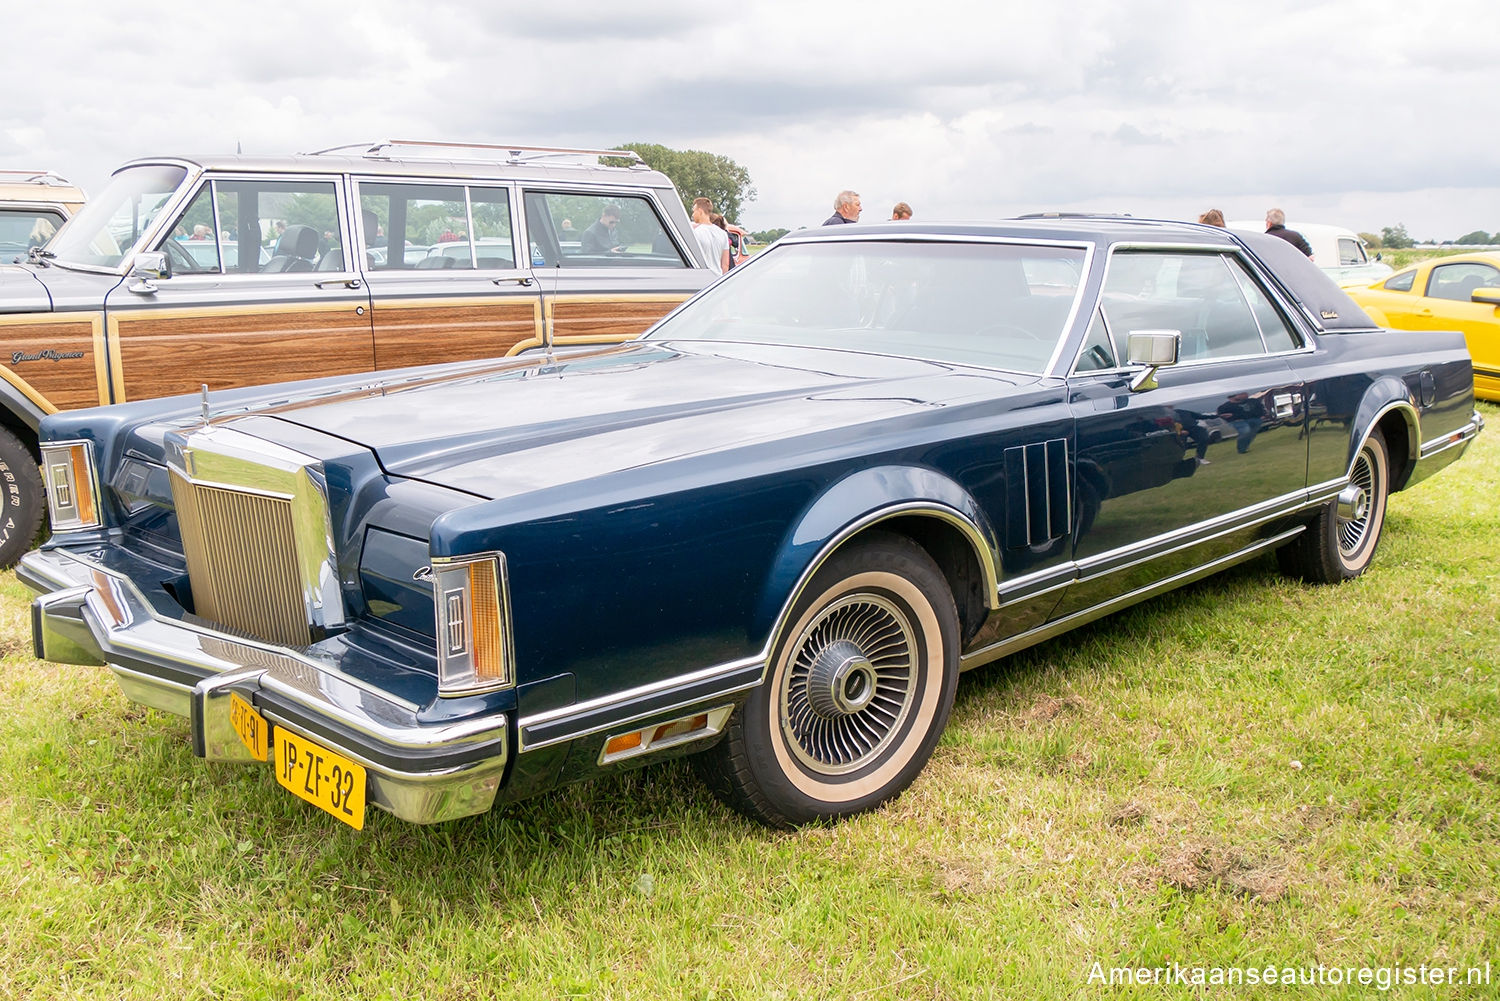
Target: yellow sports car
(1447, 293)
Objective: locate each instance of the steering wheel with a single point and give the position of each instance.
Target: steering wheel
(182, 262)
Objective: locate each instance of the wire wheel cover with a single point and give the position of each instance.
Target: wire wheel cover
(850, 684)
(1353, 531)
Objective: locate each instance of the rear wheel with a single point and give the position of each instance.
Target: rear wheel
(1341, 542)
(856, 694)
(22, 502)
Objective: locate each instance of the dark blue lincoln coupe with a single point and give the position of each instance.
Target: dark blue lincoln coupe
(774, 529)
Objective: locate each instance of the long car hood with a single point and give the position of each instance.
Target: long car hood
(527, 426)
(21, 291)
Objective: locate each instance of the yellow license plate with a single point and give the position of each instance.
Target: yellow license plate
(324, 778)
(252, 727)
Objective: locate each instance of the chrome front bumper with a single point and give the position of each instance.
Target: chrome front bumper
(421, 772)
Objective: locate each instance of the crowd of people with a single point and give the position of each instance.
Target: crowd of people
(713, 236)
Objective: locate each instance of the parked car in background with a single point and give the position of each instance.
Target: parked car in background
(773, 529)
(33, 206)
(236, 270)
(739, 244)
(1461, 292)
(1338, 251)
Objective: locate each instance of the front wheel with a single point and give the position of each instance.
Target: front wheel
(22, 502)
(855, 696)
(1340, 543)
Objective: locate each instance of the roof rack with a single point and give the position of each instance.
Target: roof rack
(510, 153)
(39, 176)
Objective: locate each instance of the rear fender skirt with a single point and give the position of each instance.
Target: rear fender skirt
(859, 501)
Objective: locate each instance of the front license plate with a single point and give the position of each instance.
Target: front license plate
(324, 778)
(252, 727)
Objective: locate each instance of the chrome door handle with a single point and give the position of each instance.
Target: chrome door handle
(519, 280)
(346, 282)
(1284, 404)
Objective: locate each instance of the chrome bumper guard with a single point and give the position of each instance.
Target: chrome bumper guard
(423, 773)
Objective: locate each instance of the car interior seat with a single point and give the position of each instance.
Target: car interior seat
(295, 250)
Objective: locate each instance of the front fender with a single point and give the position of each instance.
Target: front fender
(856, 502)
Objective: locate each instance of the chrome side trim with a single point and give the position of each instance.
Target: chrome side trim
(1327, 490)
(1169, 542)
(1462, 436)
(1048, 630)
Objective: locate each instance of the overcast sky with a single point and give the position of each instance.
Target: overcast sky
(1362, 114)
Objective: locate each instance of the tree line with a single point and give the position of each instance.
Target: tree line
(1396, 238)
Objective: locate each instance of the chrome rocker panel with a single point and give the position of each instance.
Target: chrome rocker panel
(86, 615)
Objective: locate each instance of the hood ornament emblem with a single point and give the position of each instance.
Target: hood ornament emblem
(205, 403)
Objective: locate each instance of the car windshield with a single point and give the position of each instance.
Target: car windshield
(997, 305)
(109, 226)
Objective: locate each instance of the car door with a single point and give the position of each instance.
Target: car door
(1447, 305)
(1172, 477)
(609, 263)
(258, 292)
(447, 279)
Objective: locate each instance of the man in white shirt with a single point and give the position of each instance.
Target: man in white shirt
(713, 240)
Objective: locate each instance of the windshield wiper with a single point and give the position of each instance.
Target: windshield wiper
(38, 255)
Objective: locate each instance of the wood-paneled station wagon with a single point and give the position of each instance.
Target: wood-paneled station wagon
(232, 271)
(773, 529)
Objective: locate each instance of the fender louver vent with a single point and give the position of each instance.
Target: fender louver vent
(1040, 505)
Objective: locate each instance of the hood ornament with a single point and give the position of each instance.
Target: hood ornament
(205, 403)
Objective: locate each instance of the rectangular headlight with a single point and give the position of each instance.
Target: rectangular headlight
(473, 641)
(68, 473)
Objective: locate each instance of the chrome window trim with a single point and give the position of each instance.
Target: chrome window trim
(1047, 371)
(1307, 346)
(541, 186)
(165, 219)
(211, 180)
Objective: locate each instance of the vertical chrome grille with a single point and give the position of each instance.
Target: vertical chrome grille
(242, 561)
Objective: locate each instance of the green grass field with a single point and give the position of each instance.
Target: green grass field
(1247, 772)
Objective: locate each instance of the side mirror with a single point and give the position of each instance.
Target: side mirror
(1378, 257)
(1152, 349)
(1486, 294)
(147, 268)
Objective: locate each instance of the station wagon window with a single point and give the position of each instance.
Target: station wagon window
(111, 224)
(1457, 281)
(259, 226)
(1202, 296)
(578, 230)
(437, 226)
(997, 305)
(1401, 282)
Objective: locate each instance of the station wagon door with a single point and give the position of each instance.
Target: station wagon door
(258, 293)
(1173, 477)
(603, 282)
(446, 280)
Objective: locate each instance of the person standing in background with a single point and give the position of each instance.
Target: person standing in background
(1276, 226)
(1213, 217)
(901, 211)
(845, 209)
(711, 239)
